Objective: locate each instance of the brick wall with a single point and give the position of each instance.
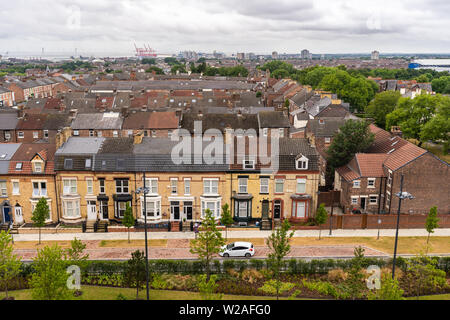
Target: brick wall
(355, 221)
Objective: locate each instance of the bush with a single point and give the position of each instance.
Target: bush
(337, 275)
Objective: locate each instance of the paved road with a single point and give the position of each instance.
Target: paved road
(231, 234)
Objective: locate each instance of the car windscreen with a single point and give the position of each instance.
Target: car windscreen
(230, 246)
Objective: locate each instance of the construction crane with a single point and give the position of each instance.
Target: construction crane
(145, 52)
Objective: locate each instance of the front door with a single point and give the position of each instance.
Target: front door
(277, 209)
(187, 210)
(6, 217)
(265, 209)
(18, 216)
(363, 204)
(175, 210)
(104, 210)
(92, 211)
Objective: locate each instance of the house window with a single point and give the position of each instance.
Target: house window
(71, 208)
(76, 133)
(70, 186)
(389, 180)
(299, 209)
(20, 135)
(46, 134)
(388, 199)
(91, 133)
(16, 188)
(68, 163)
(130, 133)
(39, 189)
(90, 186)
(281, 132)
(354, 200)
(242, 209)
(373, 199)
(279, 185)
(242, 185)
(121, 207)
(249, 164)
(153, 208)
(174, 185)
(7, 135)
(122, 186)
(301, 186)
(152, 185)
(115, 133)
(327, 139)
(264, 185)
(3, 190)
(301, 163)
(213, 206)
(101, 182)
(99, 134)
(38, 167)
(211, 186)
(153, 133)
(88, 163)
(187, 186)
(19, 166)
(356, 184)
(35, 135)
(371, 183)
(265, 132)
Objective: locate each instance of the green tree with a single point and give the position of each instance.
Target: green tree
(75, 254)
(135, 271)
(9, 262)
(148, 61)
(258, 94)
(279, 247)
(321, 217)
(383, 104)
(128, 219)
(431, 222)
(411, 115)
(441, 85)
(353, 137)
(209, 241)
(226, 218)
(49, 281)
(389, 290)
(155, 69)
(207, 288)
(178, 68)
(40, 214)
(438, 128)
(280, 74)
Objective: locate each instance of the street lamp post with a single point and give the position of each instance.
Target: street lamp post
(401, 196)
(144, 191)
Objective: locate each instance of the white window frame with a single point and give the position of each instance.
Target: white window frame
(278, 182)
(209, 186)
(248, 164)
(354, 200)
(281, 132)
(173, 185)
(70, 188)
(35, 135)
(154, 204)
(242, 187)
(373, 196)
(371, 180)
(15, 190)
(152, 185)
(75, 209)
(215, 211)
(90, 186)
(3, 189)
(40, 189)
(20, 135)
(264, 185)
(187, 186)
(300, 182)
(35, 168)
(76, 133)
(356, 184)
(302, 163)
(102, 189)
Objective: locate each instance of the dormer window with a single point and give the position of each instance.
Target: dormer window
(68, 163)
(301, 163)
(37, 167)
(249, 164)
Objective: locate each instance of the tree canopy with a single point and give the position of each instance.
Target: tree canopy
(383, 104)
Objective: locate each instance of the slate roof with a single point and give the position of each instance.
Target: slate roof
(80, 145)
(326, 129)
(273, 119)
(7, 151)
(220, 121)
(99, 121)
(8, 120)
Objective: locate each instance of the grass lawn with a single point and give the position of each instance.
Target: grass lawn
(445, 296)
(132, 244)
(107, 293)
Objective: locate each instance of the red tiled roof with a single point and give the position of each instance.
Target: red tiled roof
(347, 173)
(163, 120)
(32, 122)
(403, 155)
(25, 154)
(371, 164)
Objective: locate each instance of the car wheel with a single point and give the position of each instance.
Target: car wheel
(248, 255)
(226, 255)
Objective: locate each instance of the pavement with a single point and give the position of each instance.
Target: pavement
(231, 234)
(177, 246)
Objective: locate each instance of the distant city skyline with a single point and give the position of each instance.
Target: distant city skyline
(261, 27)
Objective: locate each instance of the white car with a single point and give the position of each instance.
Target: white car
(238, 249)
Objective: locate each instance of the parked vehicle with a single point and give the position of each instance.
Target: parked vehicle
(238, 249)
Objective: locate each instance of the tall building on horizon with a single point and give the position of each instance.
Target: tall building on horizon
(375, 55)
(305, 54)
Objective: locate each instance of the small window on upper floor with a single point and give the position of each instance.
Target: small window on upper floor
(302, 163)
(249, 164)
(68, 163)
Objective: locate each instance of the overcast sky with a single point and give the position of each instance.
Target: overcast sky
(263, 26)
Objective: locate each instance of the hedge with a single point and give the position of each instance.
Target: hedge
(292, 266)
